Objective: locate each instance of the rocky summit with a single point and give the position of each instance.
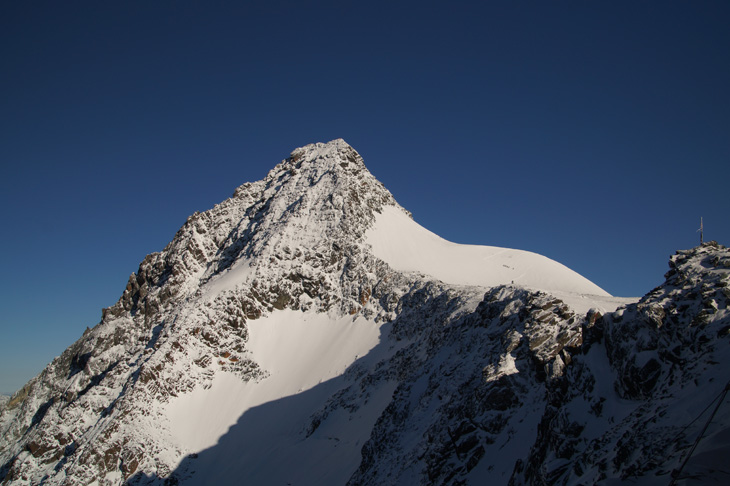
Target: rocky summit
(308, 331)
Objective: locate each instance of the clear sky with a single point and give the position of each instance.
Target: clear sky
(595, 133)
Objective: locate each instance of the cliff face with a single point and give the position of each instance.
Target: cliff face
(308, 321)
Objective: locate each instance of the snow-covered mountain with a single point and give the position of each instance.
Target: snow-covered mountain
(308, 331)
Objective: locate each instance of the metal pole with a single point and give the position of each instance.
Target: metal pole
(701, 230)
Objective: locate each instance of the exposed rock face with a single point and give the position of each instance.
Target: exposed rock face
(503, 384)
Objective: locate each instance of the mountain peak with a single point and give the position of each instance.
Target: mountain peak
(308, 320)
(322, 189)
(317, 159)
(334, 149)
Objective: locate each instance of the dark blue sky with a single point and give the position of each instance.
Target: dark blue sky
(595, 133)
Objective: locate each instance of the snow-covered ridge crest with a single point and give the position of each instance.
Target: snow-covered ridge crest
(407, 246)
(313, 207)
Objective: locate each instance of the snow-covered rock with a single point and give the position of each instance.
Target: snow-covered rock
(308, 331)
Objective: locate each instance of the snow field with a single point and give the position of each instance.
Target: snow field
(300, 351)
(409, 247)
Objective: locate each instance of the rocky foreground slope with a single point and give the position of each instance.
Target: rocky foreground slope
(307, 331)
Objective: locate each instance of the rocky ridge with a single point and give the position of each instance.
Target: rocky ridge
(504, 384)
(576, 399)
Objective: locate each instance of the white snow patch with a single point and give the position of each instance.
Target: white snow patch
(505, 367)
(239, 273)
(582, 303)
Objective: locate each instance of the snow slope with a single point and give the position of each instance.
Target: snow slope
(409, 247)
(260, 427)
(296, 350)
